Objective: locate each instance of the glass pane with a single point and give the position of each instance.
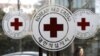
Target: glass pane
(27, 47)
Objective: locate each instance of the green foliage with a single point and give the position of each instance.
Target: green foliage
(1, 14)
(1, 17)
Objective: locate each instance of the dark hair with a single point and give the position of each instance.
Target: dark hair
(77, 50)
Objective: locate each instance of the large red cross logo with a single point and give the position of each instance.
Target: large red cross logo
(83, 24)
(53, 27)
(16, 24)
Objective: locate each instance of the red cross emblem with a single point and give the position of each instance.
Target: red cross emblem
(83, 24)
(53, 27)
(16, 24)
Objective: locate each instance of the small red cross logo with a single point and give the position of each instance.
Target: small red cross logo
(16, 24)
(83, 24)
(53, 27)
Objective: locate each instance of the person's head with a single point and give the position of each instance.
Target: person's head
(79, 51)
